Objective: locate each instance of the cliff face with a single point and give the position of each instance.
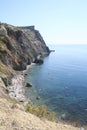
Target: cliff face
(19, 46)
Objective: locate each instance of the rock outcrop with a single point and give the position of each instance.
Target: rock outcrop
(19, 47)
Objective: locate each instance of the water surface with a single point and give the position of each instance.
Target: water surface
(61, 82)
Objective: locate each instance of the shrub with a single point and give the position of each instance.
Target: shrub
(4, 39)
(2, 47)
(41, 111)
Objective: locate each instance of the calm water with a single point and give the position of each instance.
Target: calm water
(61, 82)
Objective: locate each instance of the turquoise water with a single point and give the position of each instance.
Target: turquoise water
(61, 82)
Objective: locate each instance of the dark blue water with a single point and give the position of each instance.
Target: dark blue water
(61, 82)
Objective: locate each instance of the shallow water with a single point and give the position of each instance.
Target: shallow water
(61, 82)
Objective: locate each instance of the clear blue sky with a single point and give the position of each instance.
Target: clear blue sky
(59, 21)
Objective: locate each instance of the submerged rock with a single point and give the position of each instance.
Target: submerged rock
(38, 97)
(25, 74)
(63, 116)
(61, 97)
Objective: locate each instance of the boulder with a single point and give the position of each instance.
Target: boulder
(63, 116)
(38, 61)
(29, 85)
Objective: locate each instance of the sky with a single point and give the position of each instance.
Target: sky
(59, 21)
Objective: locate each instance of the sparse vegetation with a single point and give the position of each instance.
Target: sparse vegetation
(2, 47)
(4, 70)
(4, 39)
(41, 111)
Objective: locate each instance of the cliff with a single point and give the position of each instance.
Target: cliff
(19, 47)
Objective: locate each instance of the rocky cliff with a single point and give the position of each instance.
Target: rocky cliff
(19, 47)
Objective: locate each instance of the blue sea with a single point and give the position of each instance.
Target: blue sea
(61, 82)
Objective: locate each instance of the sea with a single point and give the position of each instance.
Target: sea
(61, 82)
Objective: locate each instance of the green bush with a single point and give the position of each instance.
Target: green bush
(41, 111)
(4, 39)
(2, 47)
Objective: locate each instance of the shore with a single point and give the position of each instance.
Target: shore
(16, 89)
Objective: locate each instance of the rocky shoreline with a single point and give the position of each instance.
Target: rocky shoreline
(16, 89)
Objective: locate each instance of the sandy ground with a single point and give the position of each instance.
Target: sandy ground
(13, 117)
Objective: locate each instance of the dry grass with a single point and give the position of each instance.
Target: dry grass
(4, 69)
(4, 39)
(3, 47)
